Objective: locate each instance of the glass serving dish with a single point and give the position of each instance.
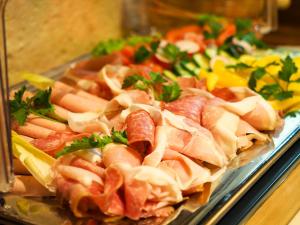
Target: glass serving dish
(17, 209)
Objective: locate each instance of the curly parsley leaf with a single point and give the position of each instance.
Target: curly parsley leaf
(119, 137)
(243, 25)
(171, 51)
(108, 47)
(212, 21)
(94, 141)
(137, 39)
(252, 40)
(38, 104)
(137, 81)
(256, 75)
(19, 108)
(41, 102)
(141, 54)
(288, 69)
(157, 78)
(170, 92)
(270, 90)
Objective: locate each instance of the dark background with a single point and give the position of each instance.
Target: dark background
(288, 32)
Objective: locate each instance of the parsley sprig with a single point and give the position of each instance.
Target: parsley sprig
(95, 141)
(275, 91)
(170, 92)
(113, 45)
(39, 104)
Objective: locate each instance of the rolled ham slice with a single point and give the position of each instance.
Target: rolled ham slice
(113, 76)
(147, 191)
(32, 130)
(140, 130)
(117, 153)
(254, 109)
(189, 106)
(200, 144)
(47, 123)
(125, 100)
(189, 175)
(56, 141)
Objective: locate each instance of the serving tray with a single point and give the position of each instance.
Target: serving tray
(241, 175)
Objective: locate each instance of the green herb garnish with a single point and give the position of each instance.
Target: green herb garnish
(108, 47)
(292, 113)
(95, 141)
(141, 54)
(213, 22)
(243, 25)
(275, 90)
(39, 104)
(170, 92)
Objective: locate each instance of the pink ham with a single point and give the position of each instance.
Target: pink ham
(223, 126)
(191, 82)
(56, 141)
(61, 112)
(147, 191)
(75, 100)
(140, 130)
(32, 130)
(200, 144)
(188, 174)
(109, 201)
(84, 164)
(116, 153)
(125, 100)
(47, 123)
(253, 109)
(189, 106)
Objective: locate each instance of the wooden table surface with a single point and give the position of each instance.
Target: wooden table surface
(282, 207)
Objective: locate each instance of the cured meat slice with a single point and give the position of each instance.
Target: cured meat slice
(186, 172)
(161, 143)
(189, 106)
(32, 130)
(140, 130)
(191, 82)
(50, 124)
(109, 201)
(113, 76)
(148, 189)
(116, 153)
(56, 141)
(201, 145)
(223, 126)
(61, 112)
(254, 109)
(124, 100)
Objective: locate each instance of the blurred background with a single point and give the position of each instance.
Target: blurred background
(42, 34)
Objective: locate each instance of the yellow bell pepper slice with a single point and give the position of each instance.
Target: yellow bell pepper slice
(262, 62)
(38, 163)
(247, 59)
(286, 104)
(211, 79)
(226, 77)
(38, 81)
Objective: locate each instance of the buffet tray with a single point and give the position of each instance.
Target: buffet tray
(243, 172)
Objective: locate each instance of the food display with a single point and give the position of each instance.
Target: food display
(148, 122)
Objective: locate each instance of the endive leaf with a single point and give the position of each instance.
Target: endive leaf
(38, 81)
(38, 163)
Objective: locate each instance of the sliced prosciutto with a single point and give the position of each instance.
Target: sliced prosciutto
(125, 100)
(56, 141)
(140, 130)
(148, 192)
(229, 130)
(117, 153)
(189, 175)
(196, 141)
(253, 109)
(189, 106)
